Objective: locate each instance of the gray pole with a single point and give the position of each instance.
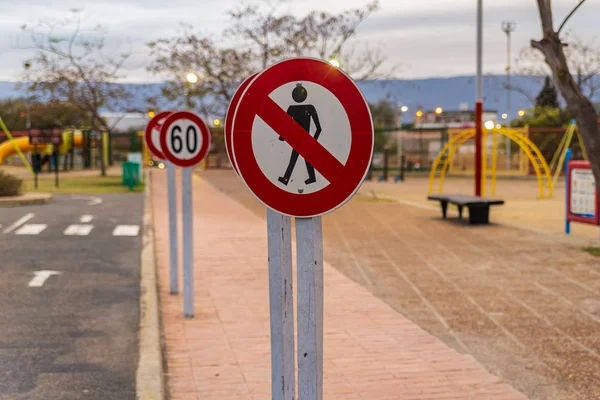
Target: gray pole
(508, 27)
(399, 140)
(283, 383)
(309, 248)
(188, 242)
(173, 267)
(479, 80)
(28, 117)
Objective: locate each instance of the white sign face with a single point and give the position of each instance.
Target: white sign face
(184, 140)
(319, 111)
(583, 193)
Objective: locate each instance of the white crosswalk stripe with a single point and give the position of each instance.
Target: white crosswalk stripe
(19, 222)
(31, 229)
(86, 219)
(126, 230)
(78, 230)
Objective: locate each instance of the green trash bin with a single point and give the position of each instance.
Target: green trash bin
(131, 176)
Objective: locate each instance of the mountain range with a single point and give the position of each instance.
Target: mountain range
(425, 94)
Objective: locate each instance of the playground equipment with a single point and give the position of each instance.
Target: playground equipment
(558, 159)
(582, 202)
(444, 159)
(22, 143)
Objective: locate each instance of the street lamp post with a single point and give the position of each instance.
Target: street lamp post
(508, 27)
(27, 65)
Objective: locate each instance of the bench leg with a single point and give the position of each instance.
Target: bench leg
(460, 208)
(444, 208)
(479, 215)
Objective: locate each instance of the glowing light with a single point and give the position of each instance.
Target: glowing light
(419, 113)
(489, 125)
(404, 109)
(504, 116)
(151, 114)
(334, 62)
(217, 122)
(521, 113)
(191, 77)
(439, 110)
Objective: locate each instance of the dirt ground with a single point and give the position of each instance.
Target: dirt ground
(523, 205)
(524, 305)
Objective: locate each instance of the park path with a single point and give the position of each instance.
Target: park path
(370, 351)
(525, 304)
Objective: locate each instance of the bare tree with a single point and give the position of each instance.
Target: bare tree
(257, 36)
(552, 47)
(583, 58)
(70, 65)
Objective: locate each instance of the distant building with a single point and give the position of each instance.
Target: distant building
(451, 119)
(124, 122)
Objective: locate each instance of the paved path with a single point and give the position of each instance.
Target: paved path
(523, 304)
(371, 351)
(71, 336)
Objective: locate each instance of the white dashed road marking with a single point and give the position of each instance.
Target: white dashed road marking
(78, 230)
(19, 222)
(93, 199)
(41, 277)
(31, 229)
(86, 219)
(126, 230)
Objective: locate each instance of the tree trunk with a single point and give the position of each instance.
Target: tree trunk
(99, 143)
(577, 104)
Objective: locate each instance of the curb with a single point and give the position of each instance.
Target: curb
(149, 375)
(25, 200)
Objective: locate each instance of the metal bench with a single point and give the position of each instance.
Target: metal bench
(479, 207)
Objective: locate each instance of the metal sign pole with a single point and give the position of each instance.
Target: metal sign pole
(569, 155)
(283, 384)
(188, 242)
(309, 248)
(55, 155)
(173, 275)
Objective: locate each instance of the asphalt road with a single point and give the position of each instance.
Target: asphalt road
(75, 336)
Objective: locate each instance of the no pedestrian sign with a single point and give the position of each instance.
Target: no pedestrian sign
(302, 137)
(152, 134)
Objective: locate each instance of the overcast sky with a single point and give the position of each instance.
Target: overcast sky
(426, 38)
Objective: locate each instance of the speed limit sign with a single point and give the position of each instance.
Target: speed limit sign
(184, 139)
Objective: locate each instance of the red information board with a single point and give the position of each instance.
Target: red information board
(583, 203)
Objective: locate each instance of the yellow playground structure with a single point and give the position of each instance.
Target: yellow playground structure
(443, 163)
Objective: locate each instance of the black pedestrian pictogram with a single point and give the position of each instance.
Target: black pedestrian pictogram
(302, 114)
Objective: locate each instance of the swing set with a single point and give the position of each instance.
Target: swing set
(546, 174)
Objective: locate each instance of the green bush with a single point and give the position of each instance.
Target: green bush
(10, 185)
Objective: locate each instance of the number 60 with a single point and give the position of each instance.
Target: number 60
(191, 139)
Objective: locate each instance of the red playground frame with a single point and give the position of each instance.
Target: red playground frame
(583, 202)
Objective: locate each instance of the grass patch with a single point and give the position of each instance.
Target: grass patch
(595, 251)
(365, 199)
(83, 185)
(373, 198)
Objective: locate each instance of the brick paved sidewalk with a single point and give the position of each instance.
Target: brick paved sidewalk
(370, 351)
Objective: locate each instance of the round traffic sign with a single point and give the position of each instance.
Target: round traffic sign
(184, 139)
(307, 108)
(229, 118)
(152, 134)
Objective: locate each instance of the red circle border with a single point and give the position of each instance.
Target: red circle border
(148, 134)
(357, 165)
(203, 131)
